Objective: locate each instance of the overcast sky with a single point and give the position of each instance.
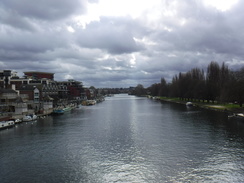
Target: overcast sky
(120, 43)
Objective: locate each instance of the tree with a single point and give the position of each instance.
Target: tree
(224, 83)
(181, 85)
(163, 90)
(154, 89)
(174, 87)
(212, 81)
(140, 90)
(238, 87)
(197, 84)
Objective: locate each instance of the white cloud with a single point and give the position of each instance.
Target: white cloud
(70, 29)
(222, 5)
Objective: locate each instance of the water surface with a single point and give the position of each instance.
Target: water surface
(125, 139)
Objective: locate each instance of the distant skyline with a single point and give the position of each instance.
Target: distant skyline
(120, 43)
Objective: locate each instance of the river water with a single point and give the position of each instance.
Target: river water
(125, 139)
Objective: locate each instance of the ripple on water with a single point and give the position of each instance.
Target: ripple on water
(125, 139)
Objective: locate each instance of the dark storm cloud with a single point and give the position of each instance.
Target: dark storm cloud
(11, 18)
(207, 35)
(114, 51)
(114, 35)
(44, 9)
(27, 46)
(33, 43)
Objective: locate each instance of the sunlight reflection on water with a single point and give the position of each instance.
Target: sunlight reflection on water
(125, 139)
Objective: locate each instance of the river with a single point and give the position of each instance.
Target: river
(125, 139)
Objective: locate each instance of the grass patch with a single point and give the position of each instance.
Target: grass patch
(205, 104)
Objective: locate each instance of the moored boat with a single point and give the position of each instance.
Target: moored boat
(88, 102)
(58, 111)
(6, 124)
(66, 109)
(239, 116)
(189, 104)
(31, 117)
(16, 121)
(91, 102)
(63, 109)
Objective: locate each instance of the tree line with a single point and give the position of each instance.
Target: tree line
(219, 83)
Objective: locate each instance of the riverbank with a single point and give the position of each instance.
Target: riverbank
(229, 108)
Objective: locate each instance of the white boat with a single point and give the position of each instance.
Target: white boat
(17, 121)
(189, 104)
(6, 124)
(31, 117)
(237, 116)
(240, 115)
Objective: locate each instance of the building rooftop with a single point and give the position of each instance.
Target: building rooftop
(38, 72)
(3, 90)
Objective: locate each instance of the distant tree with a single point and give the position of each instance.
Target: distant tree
(174, 87)
(92, 87)
(154, 89)
(140, 90)
(225, 82)
(180, 86)
(183, 86)
(238, 86)
(197, 84)
(213, 81)
(163, 90)
(219, 84)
